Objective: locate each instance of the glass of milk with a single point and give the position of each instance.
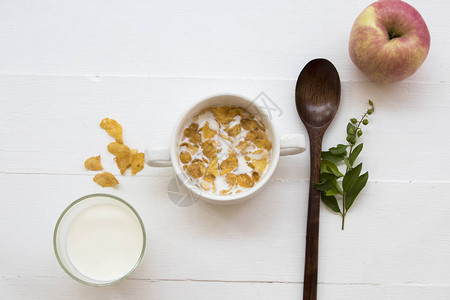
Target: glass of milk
(99, 239)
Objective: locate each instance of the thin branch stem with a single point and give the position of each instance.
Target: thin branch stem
(343, 221)
(344, 211)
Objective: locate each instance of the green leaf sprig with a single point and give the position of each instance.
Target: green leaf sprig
(346, 190)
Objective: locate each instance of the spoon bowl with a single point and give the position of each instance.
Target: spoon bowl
(317, 94)
(317, 97)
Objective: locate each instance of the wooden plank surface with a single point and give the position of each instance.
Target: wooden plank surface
(64, 66)
(25, 287)
(237, 39)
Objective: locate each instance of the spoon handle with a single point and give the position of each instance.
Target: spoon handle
(312, 230)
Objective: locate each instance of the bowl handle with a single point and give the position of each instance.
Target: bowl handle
(291, 144)
(158, 157)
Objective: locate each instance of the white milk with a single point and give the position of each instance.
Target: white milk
(104, 241)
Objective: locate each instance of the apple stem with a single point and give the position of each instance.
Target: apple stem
(393, 33)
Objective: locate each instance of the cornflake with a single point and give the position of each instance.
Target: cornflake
(116, 148)
(228, 164)
(234, 131)
(255, 176)
(123, 161)
(191, 133)
(191, 148)
(226, 114)
(209, 177)
(137, 163)
(113, 128)
(259, 164)
(213, 167)
(245, 181)
(106, 179)
(207, 132)
(93, 163)
(185, 157)
(196, 169)
(206, 185)
(249, 124)
(263, 144)
(208, 149)
(124, 157)
(231, 179)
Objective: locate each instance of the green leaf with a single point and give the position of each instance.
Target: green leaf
(327, 155)
(347, 163)
(331, 202)
(339, 149)
(330, 167)
(350, 177)
(327, 176)
(353, 120)
(328, 184)
(351, 129)
(370, 103)
(329, 187)
(354, 191)
(355, 153)
(333, 192)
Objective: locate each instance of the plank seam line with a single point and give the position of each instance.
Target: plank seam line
(411, 284)
(280, 180)
(98, 77)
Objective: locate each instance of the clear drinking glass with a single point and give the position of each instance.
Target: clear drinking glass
(62, 228)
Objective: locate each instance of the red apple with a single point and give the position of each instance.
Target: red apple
(389, 41)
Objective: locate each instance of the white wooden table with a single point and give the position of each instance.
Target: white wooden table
(65, 65)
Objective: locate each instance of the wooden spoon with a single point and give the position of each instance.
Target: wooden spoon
(317, 97)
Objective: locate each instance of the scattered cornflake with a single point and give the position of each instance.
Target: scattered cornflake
(93, 163)
(124, 157)
(106, 179)
(113, 128)
(137, 162)
(123, 161)
(116, 148)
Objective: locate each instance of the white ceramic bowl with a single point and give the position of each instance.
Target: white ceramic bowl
(287, 144)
